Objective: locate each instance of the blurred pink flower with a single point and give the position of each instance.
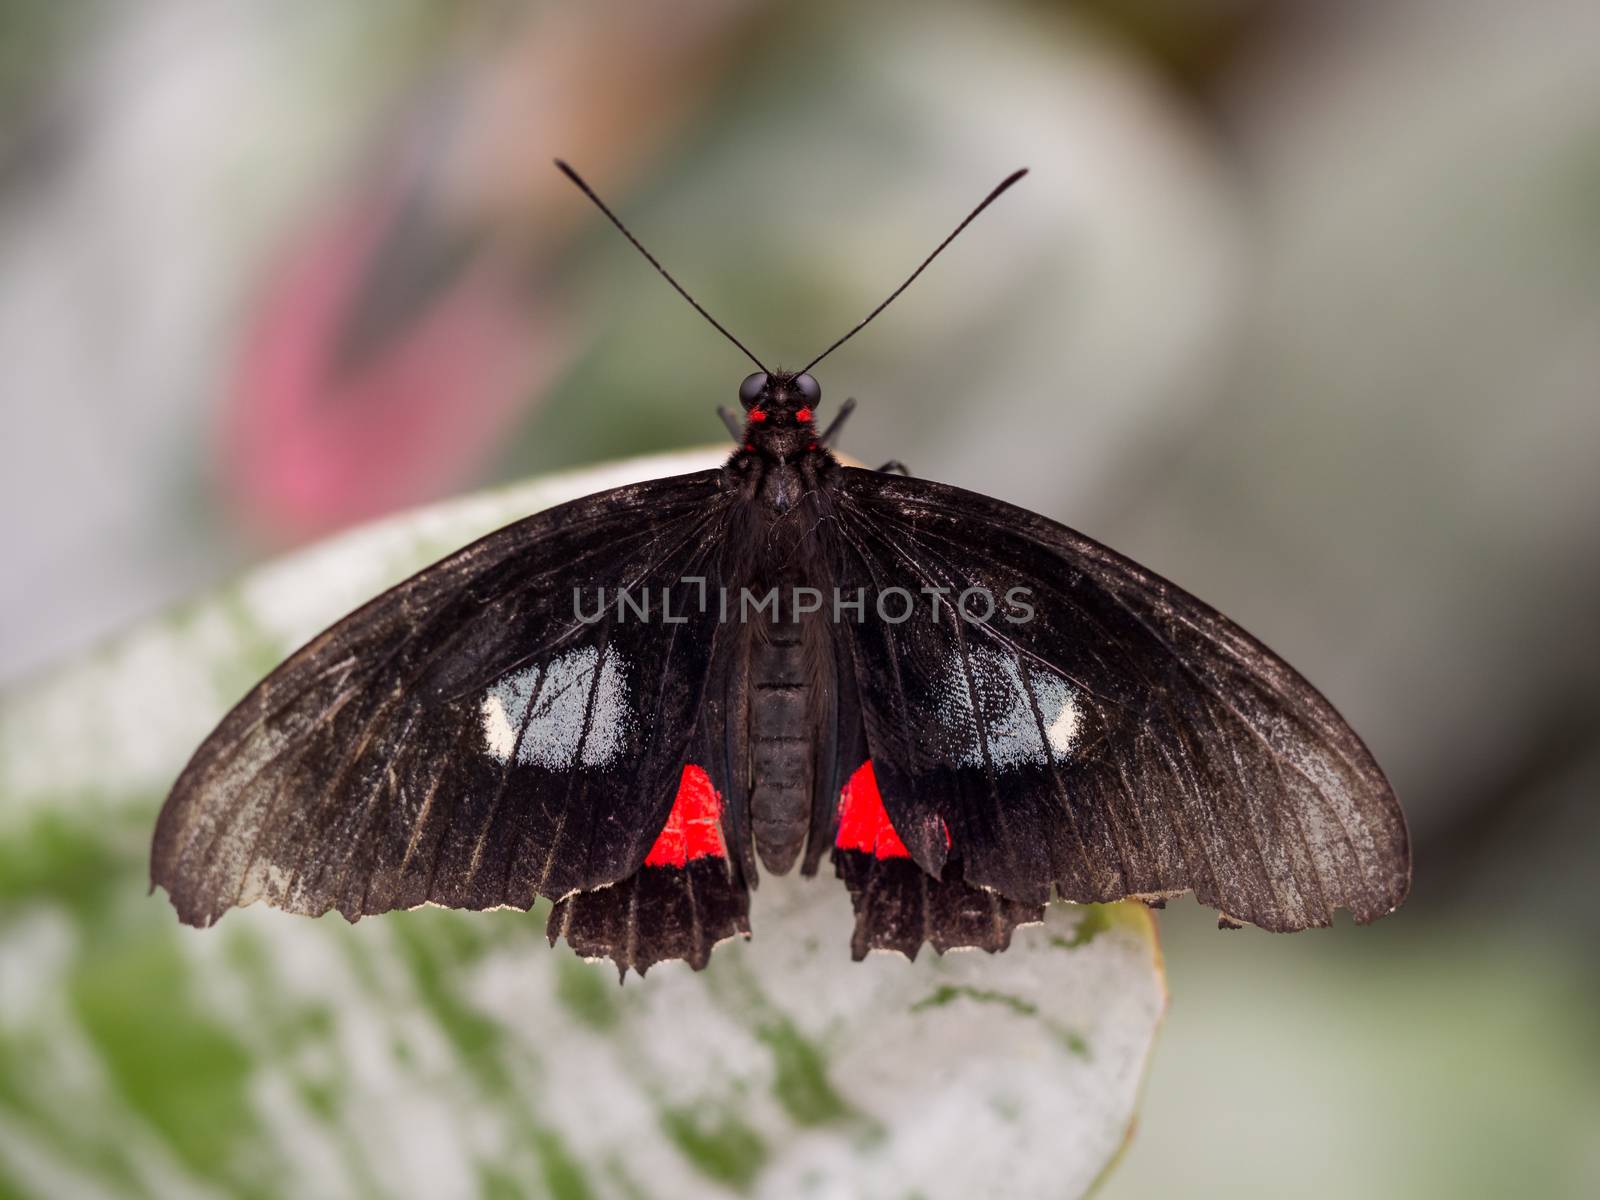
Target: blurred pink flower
(402, 333)
(340, 412)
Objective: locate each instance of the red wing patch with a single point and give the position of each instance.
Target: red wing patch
(694, 827)
(863, 823)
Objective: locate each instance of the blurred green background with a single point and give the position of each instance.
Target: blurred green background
(1299, 307)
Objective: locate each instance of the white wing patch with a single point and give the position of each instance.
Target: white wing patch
(558, 696)
(992, 684)
(1063, 727)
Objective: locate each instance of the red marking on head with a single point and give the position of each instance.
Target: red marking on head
(750, 446)
(694, 826)
(758, 415)
(812, 446)
(804, 416)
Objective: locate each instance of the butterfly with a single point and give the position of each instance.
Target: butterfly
(634, 703)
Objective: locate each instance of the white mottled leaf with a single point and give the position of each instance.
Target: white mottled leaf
(447, 1054)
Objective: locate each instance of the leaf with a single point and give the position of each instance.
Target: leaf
(452, 1054)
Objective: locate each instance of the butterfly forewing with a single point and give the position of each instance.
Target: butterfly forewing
(466, 738)
(1122, 740)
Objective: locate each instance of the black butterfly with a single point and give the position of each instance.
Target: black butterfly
(623, 702)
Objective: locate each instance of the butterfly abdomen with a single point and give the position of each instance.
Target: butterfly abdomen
(781, 748)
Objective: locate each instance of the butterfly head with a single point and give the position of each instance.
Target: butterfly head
(781, 410)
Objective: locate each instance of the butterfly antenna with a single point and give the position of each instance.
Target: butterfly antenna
(588, 191)
(971, 216)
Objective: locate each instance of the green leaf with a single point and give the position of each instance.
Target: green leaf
(453, 1054)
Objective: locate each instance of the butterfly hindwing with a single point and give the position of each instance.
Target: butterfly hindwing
(466, 738)
(898, 904)
(1119, 739)
(686, 898)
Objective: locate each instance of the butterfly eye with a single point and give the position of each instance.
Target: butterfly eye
(752, 387)
(810, 391)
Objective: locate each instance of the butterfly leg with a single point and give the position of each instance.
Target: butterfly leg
(845, 409)
(896, 466)
(732, 422)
